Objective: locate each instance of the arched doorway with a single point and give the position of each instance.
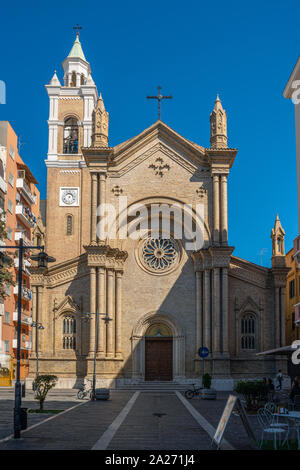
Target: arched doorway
(158, 353)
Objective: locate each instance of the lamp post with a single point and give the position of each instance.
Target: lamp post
(106, 319)
(42, 258)
(38, 326)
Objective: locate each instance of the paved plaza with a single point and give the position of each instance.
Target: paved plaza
(130, 420)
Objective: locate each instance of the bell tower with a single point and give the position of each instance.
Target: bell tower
(73, 100)
(71, 107)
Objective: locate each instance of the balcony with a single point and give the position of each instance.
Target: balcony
(26, 216)
(3, 185)
(20, 234)
(25, 319)
(26, 345)
(26, 264)
(25, 191)
(26, 293)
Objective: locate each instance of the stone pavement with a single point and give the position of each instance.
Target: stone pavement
(83, 426)
(56, 400)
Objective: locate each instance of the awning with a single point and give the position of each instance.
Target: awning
(283, 351)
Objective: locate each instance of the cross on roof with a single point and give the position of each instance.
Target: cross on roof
(77, 27)
(159, 97)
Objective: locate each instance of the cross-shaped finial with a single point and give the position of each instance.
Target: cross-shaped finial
(159, 97)
(77, 27)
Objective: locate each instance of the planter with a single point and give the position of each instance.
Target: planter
(102, 393)
(208, 394)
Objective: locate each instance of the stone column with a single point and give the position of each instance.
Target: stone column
(101, 309)
(224, 223)
(110, 347)
(102, 200)
(216, 312)
(225, 345)
(92, 310)
(206, 322)
(216, 210)
(119, 314)
(94, 191)
(198, 312)
(277, 318)
(282, 303)
(34, 319)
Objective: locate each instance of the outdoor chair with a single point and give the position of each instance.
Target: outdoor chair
(265, 419)
(271, 409)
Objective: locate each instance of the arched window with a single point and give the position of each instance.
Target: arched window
(70, 136)
(73, 79)
(248, 331)
(69, 332)
(69, 224)
(82, 79)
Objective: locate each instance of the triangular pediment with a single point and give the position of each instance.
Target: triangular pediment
(249, 304)
(67, 304)
(158, 141)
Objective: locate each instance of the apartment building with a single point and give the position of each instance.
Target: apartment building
(292, 298)
(20, 199)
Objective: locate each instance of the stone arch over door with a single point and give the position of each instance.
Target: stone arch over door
(138, 345)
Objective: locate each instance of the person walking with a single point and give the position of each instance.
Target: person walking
(279, 380)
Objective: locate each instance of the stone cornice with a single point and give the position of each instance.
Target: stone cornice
(101, 255)
(37, 276)
(219, 158)
(249, 272)
(212, 257)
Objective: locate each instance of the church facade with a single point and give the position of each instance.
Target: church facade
(145, 305)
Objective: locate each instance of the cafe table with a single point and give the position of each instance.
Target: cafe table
(294, 416)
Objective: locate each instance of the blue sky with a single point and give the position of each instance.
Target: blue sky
(194, 50)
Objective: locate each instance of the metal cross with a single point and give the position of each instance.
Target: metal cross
(106, 319)
(159, 97)
(77, 27)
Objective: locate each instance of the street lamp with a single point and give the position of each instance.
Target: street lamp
(106, 319)
(42, 258)
(38, 326)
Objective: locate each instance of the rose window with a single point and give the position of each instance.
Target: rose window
(159, 254)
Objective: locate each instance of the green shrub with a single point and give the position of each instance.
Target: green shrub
(255, 392)
(206, 381)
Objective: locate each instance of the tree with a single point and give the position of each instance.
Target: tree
(42, 384)
(6, 276)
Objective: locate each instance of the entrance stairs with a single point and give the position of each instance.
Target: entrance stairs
(154, 385)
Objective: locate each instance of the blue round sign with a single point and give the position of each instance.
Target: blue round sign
(203, 352)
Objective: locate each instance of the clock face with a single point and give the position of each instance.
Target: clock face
(68, 196)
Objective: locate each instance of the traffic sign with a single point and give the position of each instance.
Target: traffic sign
(203, 352)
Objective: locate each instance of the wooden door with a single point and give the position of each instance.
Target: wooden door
(158, 359)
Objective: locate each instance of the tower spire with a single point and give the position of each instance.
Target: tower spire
(277, 236)
(218, 126)
(100, 125)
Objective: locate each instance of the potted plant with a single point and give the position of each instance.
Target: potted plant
(207, 393)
